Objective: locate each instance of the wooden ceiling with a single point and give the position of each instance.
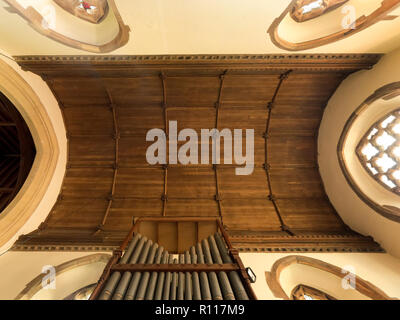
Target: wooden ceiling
(17, 152)
(110, 102)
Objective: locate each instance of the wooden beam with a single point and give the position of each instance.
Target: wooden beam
(271, 195)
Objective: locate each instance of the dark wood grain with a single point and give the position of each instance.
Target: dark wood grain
(191, 92)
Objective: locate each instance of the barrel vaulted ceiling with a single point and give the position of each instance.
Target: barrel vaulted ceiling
(110, 102)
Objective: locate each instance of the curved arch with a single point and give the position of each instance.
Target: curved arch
(386, 92)
(36, 21)
(82, 293)
(25, 203)
(17, 151)
(360, 24)
(35, 285)
(301, 292)
(273, 277)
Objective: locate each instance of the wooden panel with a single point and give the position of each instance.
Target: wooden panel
(258, 147)
(144, 183)
(191, 183)
(237, 215)
(80, 92)
(192, 91)
(195, 119)
(296, 183)
(123, 210)
(150, 230)
(88, 182)
(231, 185)
(91, 151)
(167, 236)
(292, 151)
(295, 119)
(132, 150)
(205, 229)
(89, 120)
(246, 118)
(309, 214)
(136, 91)
(85, 213)
(248, 90)
(308, 89)
(187, 235)
(139, 120)
(192, 208)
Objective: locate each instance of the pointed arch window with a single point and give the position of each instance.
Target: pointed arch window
(303, 292)
(379, 151)
(93, 11)
(304, 10)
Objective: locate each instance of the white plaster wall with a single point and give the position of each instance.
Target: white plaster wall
(200, 27)
(381, 269)
(350, 94)
(19, 268)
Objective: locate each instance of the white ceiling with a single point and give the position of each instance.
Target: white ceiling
(196, 27)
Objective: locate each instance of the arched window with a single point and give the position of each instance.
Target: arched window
(304, 10)
(83, 293)
(369, 151)
(379, 151)
(303, 292)
(17, 152)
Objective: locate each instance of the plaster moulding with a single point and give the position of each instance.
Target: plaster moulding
(273, 277)
(90, 10)
(35, 285)
(37, 21)
(361, 23)
(24, 205)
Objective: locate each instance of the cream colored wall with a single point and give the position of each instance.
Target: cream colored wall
(197, 27)
(381, 269)
(20, 268)
(350, 94)
(71, 281)
(56, 121)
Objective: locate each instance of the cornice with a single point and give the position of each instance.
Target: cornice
(201, 57)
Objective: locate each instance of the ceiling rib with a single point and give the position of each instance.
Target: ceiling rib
(267, 166)
(116, 137)
(218, 197)
(164, 197)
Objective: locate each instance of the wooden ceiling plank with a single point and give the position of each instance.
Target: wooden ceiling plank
(271, 195)
(192, 93)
